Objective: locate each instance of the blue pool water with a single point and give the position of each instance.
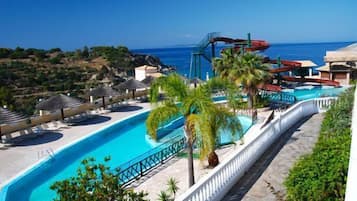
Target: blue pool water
(310, 92)
(122, 141)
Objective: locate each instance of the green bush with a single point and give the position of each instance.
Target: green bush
(5, 52)
(95, 182)
(322, 174)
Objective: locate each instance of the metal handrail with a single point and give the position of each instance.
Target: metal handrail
(137, 167)
(280, 97)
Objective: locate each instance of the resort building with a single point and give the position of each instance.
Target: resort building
(306, 64)
(144, 71)
(341, 65)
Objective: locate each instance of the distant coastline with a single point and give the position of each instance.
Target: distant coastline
(272, 44)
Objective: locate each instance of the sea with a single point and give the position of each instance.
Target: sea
(180, 57)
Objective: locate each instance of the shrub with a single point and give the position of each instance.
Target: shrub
(5, 52)
(94, 182)
(322, 174)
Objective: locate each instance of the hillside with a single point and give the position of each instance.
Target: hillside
(29, 74)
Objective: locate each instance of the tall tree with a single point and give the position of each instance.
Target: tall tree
(195, 105)
(210, 126)
(246, 70)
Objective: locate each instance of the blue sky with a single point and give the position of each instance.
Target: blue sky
(71, 24)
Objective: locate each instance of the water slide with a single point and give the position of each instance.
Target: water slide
(291, 65)
(249, 45)
(321, 81)
(286, 65)
(257, 45)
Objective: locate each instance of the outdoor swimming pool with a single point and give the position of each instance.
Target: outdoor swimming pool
(309, 92)
(123, 141)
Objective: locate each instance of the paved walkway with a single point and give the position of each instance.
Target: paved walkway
(264, 181)
(17, 159)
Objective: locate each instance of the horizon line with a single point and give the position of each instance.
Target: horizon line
(182, 45)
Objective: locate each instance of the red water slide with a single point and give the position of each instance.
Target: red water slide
(286, 66)
(254, 44)
(321, 81)
(291, 65)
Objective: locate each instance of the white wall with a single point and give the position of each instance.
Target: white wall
(217, 183)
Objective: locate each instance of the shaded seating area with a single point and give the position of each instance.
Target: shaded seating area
(103, 91)
(58, 102)
(132, 85)
(58, 112)
(9, 117)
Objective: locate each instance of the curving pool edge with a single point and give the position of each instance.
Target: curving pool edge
(5, 186)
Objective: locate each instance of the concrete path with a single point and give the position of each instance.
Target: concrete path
(264, 181)
(18, 158)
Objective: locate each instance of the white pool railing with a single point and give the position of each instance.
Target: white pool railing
(220, 180)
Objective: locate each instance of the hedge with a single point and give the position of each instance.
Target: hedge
(322, 174)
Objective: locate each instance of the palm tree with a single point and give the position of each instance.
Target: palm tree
(210, 126)
(219, 118)
(172, 187)
(194, 105)
(163, 196)
(203, 118)
(245, 69)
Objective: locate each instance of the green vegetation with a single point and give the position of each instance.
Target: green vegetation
(197, 108)
(170, 193)
(322, 174)
(261, 102)
(29, 74)
(94, 182)
(246, 70)
(6, 97)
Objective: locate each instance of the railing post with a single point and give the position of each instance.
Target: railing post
(162, 156)
(141, 169)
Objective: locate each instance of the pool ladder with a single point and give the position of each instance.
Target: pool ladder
(47, 152)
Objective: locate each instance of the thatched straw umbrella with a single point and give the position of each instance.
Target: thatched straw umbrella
(9, 117)
(132, 85)
(148, 80)
(58, 102)
(103, 92)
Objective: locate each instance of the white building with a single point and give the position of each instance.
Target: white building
(144, 71)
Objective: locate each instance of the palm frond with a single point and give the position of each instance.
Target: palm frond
(159, 116)
(173, 87)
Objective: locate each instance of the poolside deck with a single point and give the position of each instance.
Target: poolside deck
(18, 158)
(264, 181)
